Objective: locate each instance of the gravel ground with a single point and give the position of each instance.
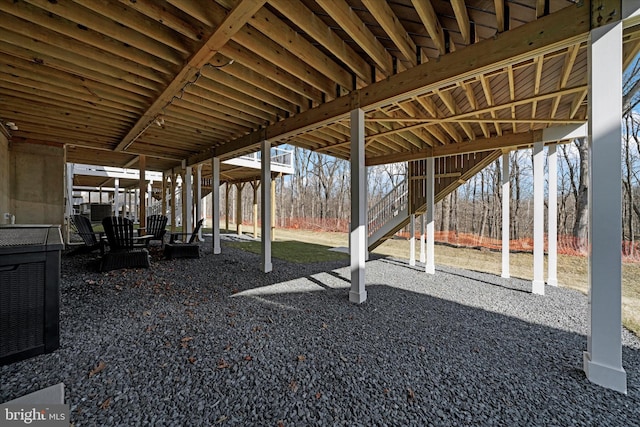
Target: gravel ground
(214, 341)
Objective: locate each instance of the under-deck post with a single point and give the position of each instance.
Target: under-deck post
(163, 202)
(227, 190)
(135, 205)
(358, 231)
(199, 199)
(183, 203)
(142, 185)
(149, 196)
(254, 185)
(265, 210)
(173, 201)
(537, 286)
(239, 187)
(430, 264)
(412, 239)
(116, 201)
(506, 215)
(273, 210)
(552, 224)
(187, 207)
(215, 204)
(603, 358)
(423, 255)
(69, 182)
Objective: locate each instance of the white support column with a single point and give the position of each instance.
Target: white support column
(174, 201)
(69, 210)
(537, 286)
(215, 204)
(187, 221)
(199, 199)
(163, 201)
(430, 264)
(412, 239)
(132, 195)
(116, 199)
(142, 167)
(552, 233)
(265, 208)
(204, 211)
(149, 197)
(423, 255)
(506, 215)
(603, 358)
(125, 203)
(135, 205)
(358, 236)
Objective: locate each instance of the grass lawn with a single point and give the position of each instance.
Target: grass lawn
(294, 251)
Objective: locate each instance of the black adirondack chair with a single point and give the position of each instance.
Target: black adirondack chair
(155, 227)
(91, 239)
(125, 249)
(180, 247)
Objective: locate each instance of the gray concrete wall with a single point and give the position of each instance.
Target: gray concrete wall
(5, 182)
(37, 183)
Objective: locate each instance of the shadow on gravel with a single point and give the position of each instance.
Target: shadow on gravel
(465, 274)
(214, 341)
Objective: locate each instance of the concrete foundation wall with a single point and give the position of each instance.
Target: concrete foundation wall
(5, 183)
(37, 183)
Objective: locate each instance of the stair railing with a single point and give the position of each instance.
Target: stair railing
(388, 207)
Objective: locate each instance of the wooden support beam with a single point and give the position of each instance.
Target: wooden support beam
(536, 83)
(305, 19)
(273, 27)
(542, 8)
(569, 60)
(142, 185)
(462, 17)
(431, 22)
(388, 20)
(272, 74)
(349, 21)
(500, 15)
(486, 144)
(549, 34)
(486, 88)
(232, 23)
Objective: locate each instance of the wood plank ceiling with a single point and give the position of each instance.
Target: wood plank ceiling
(179, 79)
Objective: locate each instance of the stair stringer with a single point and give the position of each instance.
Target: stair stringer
(443, 187)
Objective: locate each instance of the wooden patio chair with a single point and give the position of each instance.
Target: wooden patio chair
(155, 227)
(91, 239)
(125, 249)
(179, 248)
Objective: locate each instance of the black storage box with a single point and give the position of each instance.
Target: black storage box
(29, 291)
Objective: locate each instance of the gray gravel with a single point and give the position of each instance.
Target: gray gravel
(214, 341)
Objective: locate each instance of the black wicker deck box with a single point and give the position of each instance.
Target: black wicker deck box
(29, 291)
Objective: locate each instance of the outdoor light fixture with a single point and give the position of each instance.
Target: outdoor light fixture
(7, 127)
(159, 121)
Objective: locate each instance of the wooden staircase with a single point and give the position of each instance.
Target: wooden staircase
(393, 212)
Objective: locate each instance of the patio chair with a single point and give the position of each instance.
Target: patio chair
(178, 248)
(91, 239)
(155, 227)
(125, 250)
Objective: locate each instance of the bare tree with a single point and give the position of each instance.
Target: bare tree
(581, 194)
